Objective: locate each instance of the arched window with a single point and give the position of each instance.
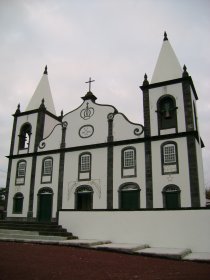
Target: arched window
(171, 197)
(20, 172)
(84, 166)
(129, 196)
(18, 203)
(169, 157)
(84, 198)
(166, 109)
(128, 159)
(47, 170)
(24, 136)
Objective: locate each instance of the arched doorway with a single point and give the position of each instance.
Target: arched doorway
(129, 196)
(45, 203)
(84, 198)
(171, 197)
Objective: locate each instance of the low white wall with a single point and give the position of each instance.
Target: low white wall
(172, 229)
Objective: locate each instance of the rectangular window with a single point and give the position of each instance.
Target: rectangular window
(20, 173)
(129, 158)
(169, 154)
(21, 169)
(47, 168)
(85, 163)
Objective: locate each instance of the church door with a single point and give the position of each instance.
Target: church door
(171, 197)
(45, 206)
(84, 198)
(172, 200)
(129, 196)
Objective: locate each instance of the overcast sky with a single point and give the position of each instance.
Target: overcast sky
(113, 41)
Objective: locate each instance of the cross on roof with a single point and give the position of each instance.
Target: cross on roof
(89, 82)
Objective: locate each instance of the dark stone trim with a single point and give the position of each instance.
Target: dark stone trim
(141, 209)
(10, 163)
(107, 144)
(193, 172)
(110, 177)
(188, 106)
(148, 173)
(61, 171)
(110, 137)
(31, 193)
(37, 111)
(146, 107)
(110, 154)
(171, 82)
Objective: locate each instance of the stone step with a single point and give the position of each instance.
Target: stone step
(121, 247)
(44, 229)
(9, 232)
(170, 253)
(20, 237)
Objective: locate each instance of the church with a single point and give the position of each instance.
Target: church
(93, 158)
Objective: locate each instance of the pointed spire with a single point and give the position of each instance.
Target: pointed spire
(145, 82)
(42, 92)
(185, 73)
(45, 70)
(165, 37)
(167, 66)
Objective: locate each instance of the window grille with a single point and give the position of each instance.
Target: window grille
(21, 169)
(47, 168)
(129, 160)
(85, 163)
(169, 153)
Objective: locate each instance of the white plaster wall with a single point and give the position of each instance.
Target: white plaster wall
(49, 125)
(124, 129)
(170, 229)
(155, 93)
(180, 179)
(98, 178)
(98, 120)
(53, 185)
(24, 189)
(140, 172)
(53, 141)
(32, 119)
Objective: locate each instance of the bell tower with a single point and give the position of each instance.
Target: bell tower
(170, 121)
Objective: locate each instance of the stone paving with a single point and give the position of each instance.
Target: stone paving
(106, 245)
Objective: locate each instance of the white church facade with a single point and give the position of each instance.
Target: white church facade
(94, 158)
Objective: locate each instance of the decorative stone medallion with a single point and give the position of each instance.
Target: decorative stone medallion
(86, 131)
(87, 113)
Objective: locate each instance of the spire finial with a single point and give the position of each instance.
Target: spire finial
(42, 106)
(185, 73)
(45, 70)
(18, 109)
(145, 82)
(165, 37)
